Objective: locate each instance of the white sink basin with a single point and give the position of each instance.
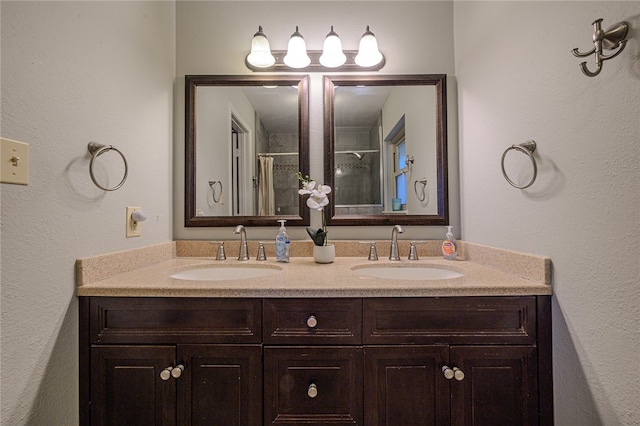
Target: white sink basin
(403, 272)
(225, 273)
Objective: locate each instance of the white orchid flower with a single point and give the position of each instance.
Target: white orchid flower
(318, 197)
(317, 202)
(307, 187)
(325, 189)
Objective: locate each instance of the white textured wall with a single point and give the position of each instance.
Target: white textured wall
(74, 72)
(215, 37)
(215, 105)
(518, 80)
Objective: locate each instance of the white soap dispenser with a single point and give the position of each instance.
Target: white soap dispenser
(450, 246)
(282, 243)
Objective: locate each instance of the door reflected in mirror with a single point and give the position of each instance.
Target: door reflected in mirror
(246, 137)
(385, 138)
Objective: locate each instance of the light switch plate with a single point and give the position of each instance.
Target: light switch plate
(14, 164)
(133, 227)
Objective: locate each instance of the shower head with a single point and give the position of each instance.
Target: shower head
(358, 155)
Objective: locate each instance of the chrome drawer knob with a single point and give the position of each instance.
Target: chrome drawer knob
(166, 373)
(312, 321)
(312, 391)
(176, 372)
(458, 374)
(448, 372)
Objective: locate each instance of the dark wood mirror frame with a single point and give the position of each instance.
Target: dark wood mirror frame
(440, 83)
(192, 82)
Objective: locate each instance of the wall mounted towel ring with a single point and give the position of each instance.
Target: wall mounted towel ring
(96, 150)
(423, 194)
(213, 184)
(528, 148)
(610, 39)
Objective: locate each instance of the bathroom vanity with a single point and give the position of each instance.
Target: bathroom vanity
(290, 350)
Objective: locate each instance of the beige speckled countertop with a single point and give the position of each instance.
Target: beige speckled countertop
(146, 272)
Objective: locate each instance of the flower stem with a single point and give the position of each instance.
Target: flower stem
(324, 228)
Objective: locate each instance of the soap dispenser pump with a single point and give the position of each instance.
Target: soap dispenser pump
(450, 246)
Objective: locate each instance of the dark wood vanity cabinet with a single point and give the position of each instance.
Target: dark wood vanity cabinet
(314, 361)
(170, 361)
(458, 361)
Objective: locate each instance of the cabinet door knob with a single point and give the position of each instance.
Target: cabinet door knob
(312, 321)
(448, 372)
(312, 391)
(166, 373)
(176, 372)
(458, 374)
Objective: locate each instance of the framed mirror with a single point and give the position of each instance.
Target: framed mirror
(245, 138)
(386, 149)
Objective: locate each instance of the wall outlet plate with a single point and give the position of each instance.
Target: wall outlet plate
(14, 167)
(133, 227)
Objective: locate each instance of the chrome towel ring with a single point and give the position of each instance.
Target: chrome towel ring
(528, 148)
(422, 195)
(213, 184)
(96, 150)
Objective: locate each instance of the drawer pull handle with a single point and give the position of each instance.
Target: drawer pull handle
(312, 321)
(312, 391)
(176, 372)
(458, 374)
(166, 373)
(448, 372)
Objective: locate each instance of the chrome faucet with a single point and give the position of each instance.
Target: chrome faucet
(244, 251)
(393, 254)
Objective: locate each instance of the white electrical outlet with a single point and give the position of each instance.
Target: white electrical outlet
(133, 227)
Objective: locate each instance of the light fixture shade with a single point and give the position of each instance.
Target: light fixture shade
(296, 56)
(260, 55)
(368, 53)
(332, 55)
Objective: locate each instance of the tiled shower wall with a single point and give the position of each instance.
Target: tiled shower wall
(357, 181)
(285, 182)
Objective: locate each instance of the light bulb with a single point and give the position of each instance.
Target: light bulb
(368, 53)
(297, 52)
(260, 55)
(332, 55)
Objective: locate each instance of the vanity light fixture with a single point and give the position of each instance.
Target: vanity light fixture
(368, 53)
(260, 55)
(331, 58)
(332, 54)
(297, 52)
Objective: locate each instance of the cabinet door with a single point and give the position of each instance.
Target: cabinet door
(313, 385)
(404, 385)
(126, 388)
(221, 385)
(499, 386)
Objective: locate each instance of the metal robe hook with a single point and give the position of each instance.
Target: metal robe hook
(612, 38)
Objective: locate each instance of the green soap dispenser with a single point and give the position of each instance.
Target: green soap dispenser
(450, 246)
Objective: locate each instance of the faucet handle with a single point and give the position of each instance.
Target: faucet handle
(261, 255)
(373, 253)
(220, 255)
(413, 251)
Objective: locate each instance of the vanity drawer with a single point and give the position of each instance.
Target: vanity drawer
(312, 321)
(313, 385)
(450, 320)
(174, 320)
